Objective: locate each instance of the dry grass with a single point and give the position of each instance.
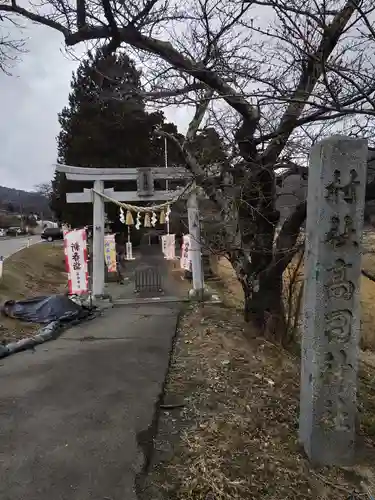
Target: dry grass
(33, 271)
(293, 280)
(237, 436)
(238, 430)
(368, 304)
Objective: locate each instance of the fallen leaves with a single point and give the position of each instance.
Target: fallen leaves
(239, 426)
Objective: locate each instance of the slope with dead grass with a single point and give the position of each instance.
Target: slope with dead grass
(37, 270)
(237, 436)
(293, 279)
(368, 303)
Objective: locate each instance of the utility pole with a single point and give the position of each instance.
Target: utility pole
(22, 224)
(166, 161)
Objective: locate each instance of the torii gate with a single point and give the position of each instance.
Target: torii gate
(145, 178)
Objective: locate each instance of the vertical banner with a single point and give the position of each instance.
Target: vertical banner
(164, 244)
(170, 249)
(110, 252)
(168, 246)
(129, 251)
(75, 247)
(185, 260)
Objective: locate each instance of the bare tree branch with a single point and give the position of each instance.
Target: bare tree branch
(200, 111)
(14, 8)
(81, 14)
(10, 48)
(144, 12)
(312, 71)
(124, 93)
(110, 18)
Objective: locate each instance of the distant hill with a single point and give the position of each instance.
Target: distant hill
(17, 201)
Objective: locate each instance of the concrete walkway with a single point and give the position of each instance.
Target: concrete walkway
(77, 414)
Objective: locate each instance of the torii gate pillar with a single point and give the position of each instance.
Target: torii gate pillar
(98, 264)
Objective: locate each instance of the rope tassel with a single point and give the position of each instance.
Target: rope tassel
(129, 221)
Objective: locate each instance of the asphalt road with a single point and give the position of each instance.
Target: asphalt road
(77, 415)
(12, 245)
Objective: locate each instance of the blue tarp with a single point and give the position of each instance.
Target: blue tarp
(45, 309)
(54, 312)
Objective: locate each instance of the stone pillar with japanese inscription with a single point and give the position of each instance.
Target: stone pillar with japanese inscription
(330, 337)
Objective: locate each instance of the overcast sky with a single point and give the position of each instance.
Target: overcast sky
(30, 100)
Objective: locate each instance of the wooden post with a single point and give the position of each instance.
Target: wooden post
(98, 241)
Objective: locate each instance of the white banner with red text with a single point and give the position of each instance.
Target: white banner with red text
(168, 244)
(185, 261)
(110, 252)
(75, 247)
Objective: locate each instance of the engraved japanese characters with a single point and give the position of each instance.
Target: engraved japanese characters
(331, 305)
(339, 293)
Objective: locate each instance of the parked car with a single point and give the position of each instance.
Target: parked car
(52, 234)
(14, 231)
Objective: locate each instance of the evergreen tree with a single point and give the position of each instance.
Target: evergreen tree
(98, 133)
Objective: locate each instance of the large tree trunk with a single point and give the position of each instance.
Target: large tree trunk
(260, 279)
(255, 262)
(264, 305)
(262, 284)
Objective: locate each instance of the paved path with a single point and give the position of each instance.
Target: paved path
(154, 260)
(12, 245)
(76, 414)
